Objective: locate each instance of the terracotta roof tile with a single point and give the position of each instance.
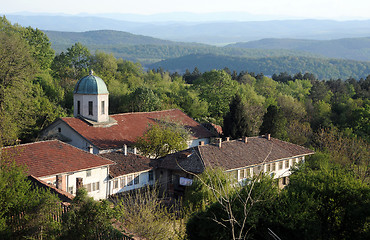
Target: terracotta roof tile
(188, 159)
(126, 164)
(233, 154)
(236, 153)
(132, 125)
(53, 157)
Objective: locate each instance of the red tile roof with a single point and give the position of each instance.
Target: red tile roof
(237, 154)
(132, 125)
(49, 158)
(126, 164)
(232, 154)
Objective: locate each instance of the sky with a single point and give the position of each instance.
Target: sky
(278, 9)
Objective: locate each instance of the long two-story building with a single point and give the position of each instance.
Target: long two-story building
(240, 158)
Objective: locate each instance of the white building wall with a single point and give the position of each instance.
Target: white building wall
(76, 140)
(277, 169)
(127, 182)
(98, 175)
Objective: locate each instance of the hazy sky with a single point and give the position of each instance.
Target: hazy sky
(328, 9)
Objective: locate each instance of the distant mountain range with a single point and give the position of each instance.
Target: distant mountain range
(149, 50)
(347, 48)
(223, 32)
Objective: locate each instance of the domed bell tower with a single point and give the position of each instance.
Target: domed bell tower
(90, 99)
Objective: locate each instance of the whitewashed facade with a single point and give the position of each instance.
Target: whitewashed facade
(279, 169)
(131, 181)
(95, 180)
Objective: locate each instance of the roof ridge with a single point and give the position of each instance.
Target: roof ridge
(31, 143)
(166, 110)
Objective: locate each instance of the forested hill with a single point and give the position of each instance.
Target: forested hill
(322, 68)
(105, 37)
(347, 48)
(149, 50)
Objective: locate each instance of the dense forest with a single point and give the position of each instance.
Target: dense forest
(321, 67)
(327, 198)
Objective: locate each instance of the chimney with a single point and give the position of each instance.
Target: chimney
(227, 139)
(268, 136)
(59, 181)
(245, 140)
(125, 149)
(91, 149)
(219, 142)
(79, 182)
(201, 143)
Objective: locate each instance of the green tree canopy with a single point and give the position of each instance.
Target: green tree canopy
(217, 88)
(324, 201)
(162, 138)
(274, 123)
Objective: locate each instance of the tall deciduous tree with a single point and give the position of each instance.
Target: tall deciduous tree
(162, 138)
(235, 121)
(16, 71)
(217, 88)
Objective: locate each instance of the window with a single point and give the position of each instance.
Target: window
(247, 172)
(268, 168)
(241, 174)
(129, 180)
(151, 176)
(96, 186)
(136, 179)
(59, 129)
(273, 166)
(102, 107)
(90, 108)
(70, 190)
(123, 182)
(78, 107)
(91, 187)
(280, 165)
(115, 183)
(88, 173)
(287, 164)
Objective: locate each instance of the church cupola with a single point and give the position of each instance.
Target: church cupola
(90, 99)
